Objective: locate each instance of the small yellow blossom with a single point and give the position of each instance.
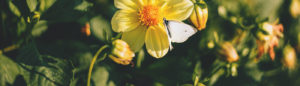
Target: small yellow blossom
(141, 21)
(121, 52)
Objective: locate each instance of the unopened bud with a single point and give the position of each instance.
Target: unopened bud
(234, 71)
(86, 29)
(295, 8)
(34, 17)
(199, 15)
(121, 52)
(228, 52)
(289, 57)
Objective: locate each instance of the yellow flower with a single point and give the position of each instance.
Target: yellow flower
(141, 21)
(199, 15)
(121, 52)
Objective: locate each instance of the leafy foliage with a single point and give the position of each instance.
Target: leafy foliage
(42, 43)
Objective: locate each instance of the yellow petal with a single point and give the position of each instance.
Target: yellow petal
(178, 9)
(125, 20)
(127, 4)
(135, 38)
(154, 2)
(156, 41)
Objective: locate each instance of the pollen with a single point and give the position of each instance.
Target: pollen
(149, 15)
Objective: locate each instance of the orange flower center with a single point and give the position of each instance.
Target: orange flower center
(149, 15)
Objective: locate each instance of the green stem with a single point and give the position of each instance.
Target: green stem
(93, 62)
(212, 73)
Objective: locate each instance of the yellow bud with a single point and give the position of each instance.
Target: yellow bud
(289, 57)
(295, 8)
(121, 52)
(234, 71)
(228, 52)
(199, 15)
(34, 17)
(211, 44)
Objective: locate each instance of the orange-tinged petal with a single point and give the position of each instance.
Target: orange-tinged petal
(156, 41)
(178, 9)
(135, 38)
(125, 20)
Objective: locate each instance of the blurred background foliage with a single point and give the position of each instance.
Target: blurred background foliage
(44, 43)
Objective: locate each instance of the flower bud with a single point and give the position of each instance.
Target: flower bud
(199, 15)
(289, 57)
(228, 52)
(86, 29)
(266, 31)
(234, 71)
(121, 52)
(34, 17)
(295, 8)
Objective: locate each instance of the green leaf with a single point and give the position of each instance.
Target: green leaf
(101, 28)
(252, 70)
(63, 11)
(43, 70)
(83, 6)
(14, 9)
(22, 6)
(100, 76)
(21, 26)
(55, 72)
(45, 4)
(31, 4)
(39, 28)
(8, 70)
(29, 54)
(216, 76)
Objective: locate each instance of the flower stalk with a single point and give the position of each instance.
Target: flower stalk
(93, 62)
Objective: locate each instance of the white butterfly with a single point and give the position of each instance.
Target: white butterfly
(178, 32)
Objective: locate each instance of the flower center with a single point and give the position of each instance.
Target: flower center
(149, 15)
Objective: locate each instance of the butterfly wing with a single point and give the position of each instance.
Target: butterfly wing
(179, 31)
